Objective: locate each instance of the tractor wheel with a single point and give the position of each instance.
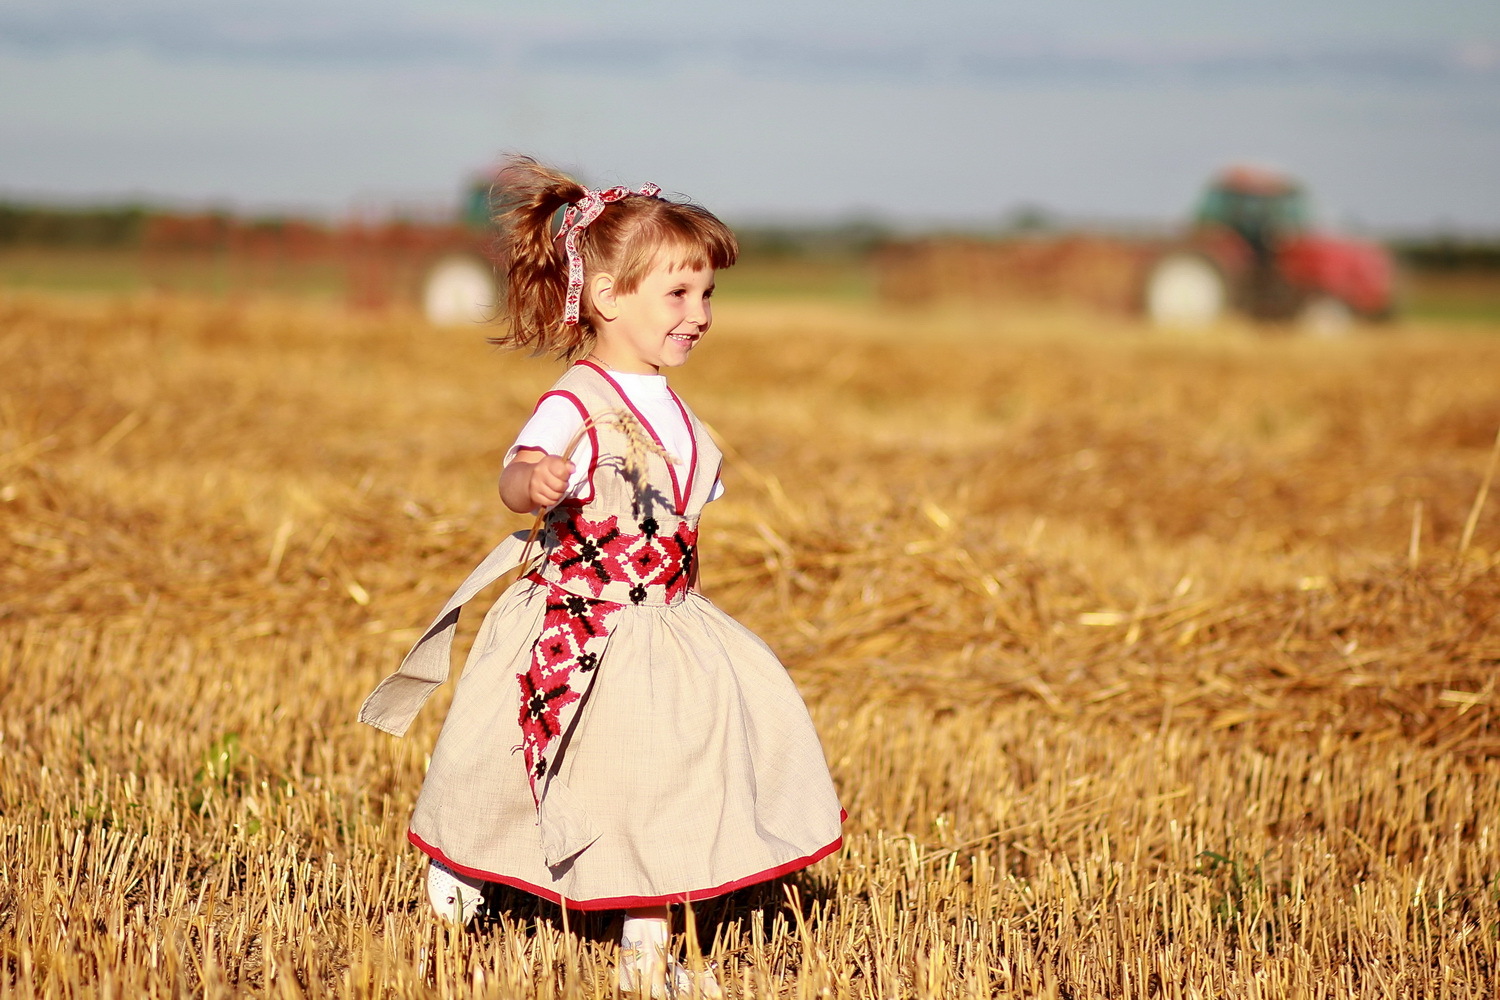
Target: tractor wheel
(1185, 291)
(458, 289)
(1325, 316)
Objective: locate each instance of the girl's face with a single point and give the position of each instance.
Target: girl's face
(657, 325)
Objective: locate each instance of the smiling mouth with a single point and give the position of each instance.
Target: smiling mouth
(686, 338)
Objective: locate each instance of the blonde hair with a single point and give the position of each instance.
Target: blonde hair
(626, 241)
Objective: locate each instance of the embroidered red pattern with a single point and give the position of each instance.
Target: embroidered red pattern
(575, 628)
(597, 553)
(574, 632)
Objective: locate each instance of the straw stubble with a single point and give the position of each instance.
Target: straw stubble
(1131, 670)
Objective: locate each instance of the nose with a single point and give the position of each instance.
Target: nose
(700, 314)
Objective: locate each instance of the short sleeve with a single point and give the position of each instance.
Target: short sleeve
(553, 424)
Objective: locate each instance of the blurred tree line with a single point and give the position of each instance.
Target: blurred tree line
(103, 227)
(1448, 254)
(855, 238)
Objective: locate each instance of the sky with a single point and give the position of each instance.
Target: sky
(947, 112)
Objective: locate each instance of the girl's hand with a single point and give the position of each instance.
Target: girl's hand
(549, 480)
(534, 479)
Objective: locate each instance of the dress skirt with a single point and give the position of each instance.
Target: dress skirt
(692, 765)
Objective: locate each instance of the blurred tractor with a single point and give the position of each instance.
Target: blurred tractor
(1251, 249)
(437, 265)
(442, 267)
(459, 285)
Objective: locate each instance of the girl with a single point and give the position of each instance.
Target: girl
(664, 754)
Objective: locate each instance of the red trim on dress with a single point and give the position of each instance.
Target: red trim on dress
(583, 411)
(687, 421)
(679, 497)
(629, 902)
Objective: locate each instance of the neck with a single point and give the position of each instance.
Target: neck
(603, 360)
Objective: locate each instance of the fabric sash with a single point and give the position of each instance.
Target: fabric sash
(564, 660)
(394, 703)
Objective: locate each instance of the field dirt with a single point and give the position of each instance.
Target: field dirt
(1147, 666)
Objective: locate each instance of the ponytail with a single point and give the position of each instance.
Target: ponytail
(536, 273)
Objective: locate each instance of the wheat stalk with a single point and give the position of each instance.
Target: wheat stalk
(1472, 521)
(638, 445)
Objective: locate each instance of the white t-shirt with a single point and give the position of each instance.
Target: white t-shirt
(556, 420)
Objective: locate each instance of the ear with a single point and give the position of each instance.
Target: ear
(601, 294)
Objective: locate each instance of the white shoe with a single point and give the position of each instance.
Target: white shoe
(455, 897)
(644, 971)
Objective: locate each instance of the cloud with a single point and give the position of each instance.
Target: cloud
(395, 104)
(267, 32)
(455, 34)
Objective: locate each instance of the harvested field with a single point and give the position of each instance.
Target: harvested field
(1147, 666)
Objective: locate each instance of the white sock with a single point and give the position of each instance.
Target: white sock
(640, 932)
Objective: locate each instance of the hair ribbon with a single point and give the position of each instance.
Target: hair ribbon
(579, 214)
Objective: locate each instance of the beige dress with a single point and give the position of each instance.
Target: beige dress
(615, 740)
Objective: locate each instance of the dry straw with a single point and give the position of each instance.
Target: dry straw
(1212, 731)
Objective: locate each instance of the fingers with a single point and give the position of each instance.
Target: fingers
(549, 480)
(557, 466)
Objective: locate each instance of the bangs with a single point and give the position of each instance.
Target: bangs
(685, 236)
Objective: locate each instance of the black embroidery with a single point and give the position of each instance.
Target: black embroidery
(590, 550)
(684, 560)
(536, 700)
(581, 608)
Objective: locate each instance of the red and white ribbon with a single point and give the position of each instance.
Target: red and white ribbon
(574, 221)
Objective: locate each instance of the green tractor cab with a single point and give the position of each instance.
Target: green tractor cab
(1252, 248)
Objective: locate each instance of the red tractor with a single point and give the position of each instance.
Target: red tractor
(1251, 249)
